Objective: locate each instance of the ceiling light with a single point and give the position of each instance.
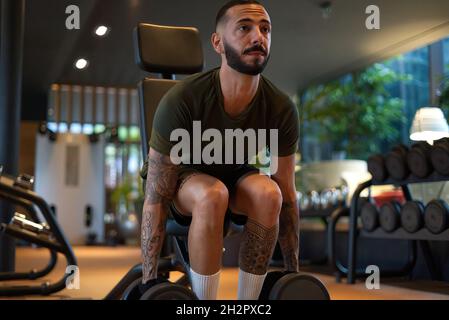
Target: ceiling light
(101, 31)
(81, 63)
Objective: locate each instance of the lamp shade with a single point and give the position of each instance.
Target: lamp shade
(429, 124)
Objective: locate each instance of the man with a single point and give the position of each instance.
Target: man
(234, 96)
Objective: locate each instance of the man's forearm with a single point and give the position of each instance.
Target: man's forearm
(160, 190)
(153, 234)
(289, 234)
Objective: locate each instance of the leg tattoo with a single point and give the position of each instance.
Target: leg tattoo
(257, 247)
(289, 235)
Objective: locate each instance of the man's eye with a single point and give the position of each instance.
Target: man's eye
(244, 28)
(266, 30)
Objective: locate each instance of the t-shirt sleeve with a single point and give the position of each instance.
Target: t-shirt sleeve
(171, 114)
(287, 122)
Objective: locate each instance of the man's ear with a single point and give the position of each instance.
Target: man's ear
(216, 42)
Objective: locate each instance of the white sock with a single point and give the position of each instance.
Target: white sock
(250, 285)
(205, 287)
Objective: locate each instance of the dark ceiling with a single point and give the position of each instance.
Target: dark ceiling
(307, 48)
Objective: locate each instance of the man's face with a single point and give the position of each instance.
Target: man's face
(246, 37)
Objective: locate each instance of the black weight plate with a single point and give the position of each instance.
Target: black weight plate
(412, 216)
(389, 216)
(295, 286)
(132, 292)
(401, 149)
(436, 216)
(271, 278)
(440, 159)
(376, 166)
(369, 216)
(418, 162)
(168, 291)
(397, 165)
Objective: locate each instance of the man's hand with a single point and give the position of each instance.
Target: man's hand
(161, 182)
(289, 217)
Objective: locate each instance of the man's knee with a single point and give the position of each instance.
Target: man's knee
(213, 203)
(269, 198)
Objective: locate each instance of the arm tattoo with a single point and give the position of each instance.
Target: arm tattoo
(161, 179)
(289, 235)
(257, 246)
(160, 189)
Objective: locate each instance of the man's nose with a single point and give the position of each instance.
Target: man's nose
(257, 36)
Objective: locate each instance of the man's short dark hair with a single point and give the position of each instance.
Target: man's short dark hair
(222, 12)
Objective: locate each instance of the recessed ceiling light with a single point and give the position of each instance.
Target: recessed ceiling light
(81, 63)
(101, 31)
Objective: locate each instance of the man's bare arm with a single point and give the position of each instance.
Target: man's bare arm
(160, 189)
(289, 217)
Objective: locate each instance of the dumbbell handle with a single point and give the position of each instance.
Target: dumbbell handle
(21, 221)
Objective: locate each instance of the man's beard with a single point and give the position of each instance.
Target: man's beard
(236, 63)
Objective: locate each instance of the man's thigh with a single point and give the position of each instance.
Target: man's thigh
(246, 195)
(192, 188)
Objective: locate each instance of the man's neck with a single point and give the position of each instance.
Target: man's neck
(238, 89)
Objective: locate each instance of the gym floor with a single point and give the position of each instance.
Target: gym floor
(102, 267)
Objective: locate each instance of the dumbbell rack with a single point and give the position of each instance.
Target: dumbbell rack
(422, 236)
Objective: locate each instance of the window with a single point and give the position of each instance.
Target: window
(446, 55)
(444, 87)
(364, 112)
(414, 92)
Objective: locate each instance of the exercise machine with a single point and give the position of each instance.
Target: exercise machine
(36, 224)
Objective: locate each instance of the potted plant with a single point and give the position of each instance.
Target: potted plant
(356, 114)
(128, 200)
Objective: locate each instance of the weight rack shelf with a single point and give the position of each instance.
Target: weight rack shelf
(401, 234)
(433, 177)
(421, 236)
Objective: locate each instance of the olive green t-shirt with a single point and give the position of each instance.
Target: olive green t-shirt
(199, 98)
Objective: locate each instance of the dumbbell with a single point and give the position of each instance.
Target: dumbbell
(377, 168)
(162, 291)
(412, 213)
(304, 201)
(440, 156)
(343, 195)
(326, 199)
(314, 200)
(436, 216)
(396, 162)
(418, 159)
(335, 194)
(369, 216)
(389, 216)
(284, 285)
